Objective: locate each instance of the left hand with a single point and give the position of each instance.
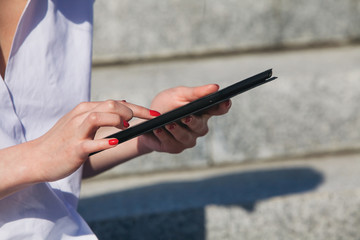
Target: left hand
(176, 137)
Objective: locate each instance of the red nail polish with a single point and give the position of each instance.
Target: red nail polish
(227, 103)
(188, 119)
(154, 113)
(172, 126)
(159, 130)
(113, 141)
(126, 124)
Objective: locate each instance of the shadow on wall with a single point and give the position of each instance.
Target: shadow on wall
(176, 210)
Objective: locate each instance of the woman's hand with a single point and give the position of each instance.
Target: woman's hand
(176, 137)
(64, 148)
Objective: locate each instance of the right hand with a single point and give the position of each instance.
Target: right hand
(66, 146)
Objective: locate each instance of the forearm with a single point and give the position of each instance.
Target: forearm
(15, 169)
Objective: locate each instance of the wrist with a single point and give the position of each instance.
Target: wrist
(15, 169)
(142, 147)
(32, 166)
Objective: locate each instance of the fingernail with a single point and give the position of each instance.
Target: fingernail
(188, 119)
(126, 124)
(227, 103)
(154, 113)
(172, 126)
(123, 100)
(159, 130)
(113, 141)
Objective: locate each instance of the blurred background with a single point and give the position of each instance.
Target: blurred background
(283, 164)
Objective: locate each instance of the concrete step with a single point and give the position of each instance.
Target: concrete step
(312, 107)
(312, 198)
(186, 28)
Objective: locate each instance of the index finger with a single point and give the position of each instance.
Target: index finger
(140, 111)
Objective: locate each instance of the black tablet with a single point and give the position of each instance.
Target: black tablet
(194, 107)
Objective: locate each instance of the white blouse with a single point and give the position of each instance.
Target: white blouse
(48, 74)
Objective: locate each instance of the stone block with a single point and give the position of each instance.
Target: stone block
(133, 30)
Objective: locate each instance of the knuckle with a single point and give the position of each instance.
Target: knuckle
(192, 143)
(205, 131)
(93, 117)
(111, 105)
(176, 150)
(77, 120)
(129, 114)
(82, 148)
(81, 107)
(125, 111)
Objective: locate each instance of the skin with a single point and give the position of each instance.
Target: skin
(66, 146)
(10, 14)
(174, 138)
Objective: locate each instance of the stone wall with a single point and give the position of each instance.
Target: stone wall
(147, 29)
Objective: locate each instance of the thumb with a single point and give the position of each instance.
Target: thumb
(194, 93)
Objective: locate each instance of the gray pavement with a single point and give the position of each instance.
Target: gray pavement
(310, 198)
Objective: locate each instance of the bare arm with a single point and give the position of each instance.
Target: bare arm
(15, 169)
(65, 147)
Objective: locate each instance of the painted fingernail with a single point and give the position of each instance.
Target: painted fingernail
(159, 130)
(188, 119)
(126, 124)
(113, 141)
(172, 126)
(123, 100)
(227, 103)
(154, 113)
